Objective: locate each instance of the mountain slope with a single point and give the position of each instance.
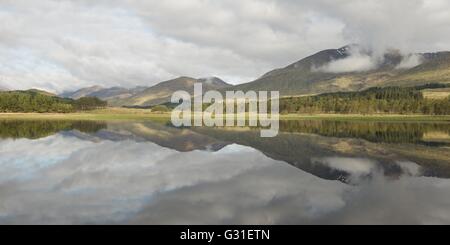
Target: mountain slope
(116, 93)
(312, 76)
(84, 92)
(107, 94)
(162, 92)
(434, 69)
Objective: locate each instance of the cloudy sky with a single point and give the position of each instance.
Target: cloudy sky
(61, 45)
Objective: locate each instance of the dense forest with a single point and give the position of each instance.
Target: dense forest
(33, 101)
(388, 100)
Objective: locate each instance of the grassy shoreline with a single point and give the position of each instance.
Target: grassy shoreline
(138, 114)
(372, 117)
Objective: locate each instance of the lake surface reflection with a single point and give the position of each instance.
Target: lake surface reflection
(313, 172)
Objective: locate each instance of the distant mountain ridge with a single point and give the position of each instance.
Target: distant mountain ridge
(350, 68)
(83, 92)
(102, 93)
(146, 96)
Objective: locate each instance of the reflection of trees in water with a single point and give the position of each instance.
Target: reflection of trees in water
(39, 129)
(394, 132)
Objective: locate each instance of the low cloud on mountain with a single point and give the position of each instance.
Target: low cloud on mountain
(357, 60)
(410, 61)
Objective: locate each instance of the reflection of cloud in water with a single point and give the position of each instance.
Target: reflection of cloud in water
(409, 200)
(409, 168)
(274, 194)
(357, 170)
(302, 199)
(132, 182)
(107, 179)
(22, 157)
(353, 166)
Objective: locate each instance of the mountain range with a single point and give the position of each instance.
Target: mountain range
(316, 74)
(162, 92)
(109, 94)
(350, 68)
(147, 96)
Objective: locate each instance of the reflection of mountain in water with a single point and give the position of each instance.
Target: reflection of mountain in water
(88, 179)
(309, 152)
(313, 146)
(182, 140)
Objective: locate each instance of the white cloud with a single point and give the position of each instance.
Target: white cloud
(358, 60)
(66, 44)
(353, 63)
(354, 166)
(70, 44)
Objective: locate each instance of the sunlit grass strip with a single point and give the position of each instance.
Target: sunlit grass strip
(84, 116)
(139, 114)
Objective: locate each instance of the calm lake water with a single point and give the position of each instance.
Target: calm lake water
(313, 172)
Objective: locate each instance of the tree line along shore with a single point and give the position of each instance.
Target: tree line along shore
(36, 101)
(372, 101)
